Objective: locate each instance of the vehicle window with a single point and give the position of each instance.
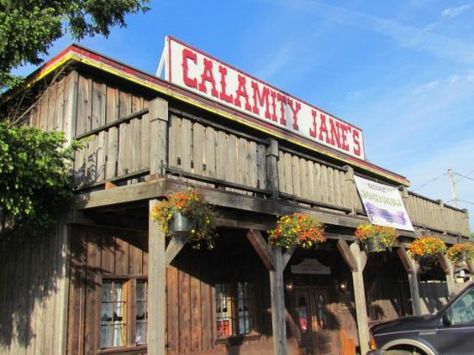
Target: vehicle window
(462, 310)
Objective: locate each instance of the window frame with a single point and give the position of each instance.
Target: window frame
(131, 307)
(234, 318)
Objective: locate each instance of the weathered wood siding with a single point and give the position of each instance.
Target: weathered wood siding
(33, 292)
(209, 152)
(95, 254)
(312, 180)
(191, 279)
(113, 124)
(434, 214)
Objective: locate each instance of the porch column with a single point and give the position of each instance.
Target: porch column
(275, 262)
(277, 294)
(158, 136)
(448, 269)
(156, 286)
(356, 260)
(411, 267)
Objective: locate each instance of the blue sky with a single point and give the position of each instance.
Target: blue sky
(403, 71)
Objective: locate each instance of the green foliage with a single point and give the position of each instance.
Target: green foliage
(35, 177)
(29, 27)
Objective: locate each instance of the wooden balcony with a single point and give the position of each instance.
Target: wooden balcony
(204, 151)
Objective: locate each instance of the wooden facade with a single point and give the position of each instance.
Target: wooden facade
(143, 138)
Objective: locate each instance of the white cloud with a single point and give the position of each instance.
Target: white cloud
(455, 11)
(425, 87)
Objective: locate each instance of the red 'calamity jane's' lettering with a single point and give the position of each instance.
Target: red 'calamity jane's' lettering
(261, 100)
(188, 55)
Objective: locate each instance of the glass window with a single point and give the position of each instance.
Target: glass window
(122, 324)
(141, 312)
(462, 310)
(113, 314)
(234, 309)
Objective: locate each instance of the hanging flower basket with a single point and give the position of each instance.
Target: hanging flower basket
(297, 230)
(179, 225)
(461, 252)
(427, 250)
(376, 239)
(187, 214)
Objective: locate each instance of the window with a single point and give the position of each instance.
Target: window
(462, 310)
(123, 316)
(234, 309)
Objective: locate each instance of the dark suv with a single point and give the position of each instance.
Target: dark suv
(450, 331)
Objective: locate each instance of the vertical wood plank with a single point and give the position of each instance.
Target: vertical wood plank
(70, 105)
(196, 317)
(145, 142)
(232, 156)
(277, 295)
(359, 299)
(92, 295)
(262, 168)
(207, 324)
(156, 286)
(99, 104)
(159, 136)
(199, 144)
(272, 178)
(221, 155)
(186, 142)
(210, 153)
(58, 124)
(121, 255)
(252, 166)
(184, 312)
(112, 134)
(172, 293)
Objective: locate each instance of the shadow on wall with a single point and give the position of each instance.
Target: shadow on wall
(32, 282)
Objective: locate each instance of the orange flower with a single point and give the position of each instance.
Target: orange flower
(297, 230)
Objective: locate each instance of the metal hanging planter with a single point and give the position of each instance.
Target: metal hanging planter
(179, 225)
(374, 245)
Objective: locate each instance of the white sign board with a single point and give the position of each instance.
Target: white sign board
(383, 204)
(202, 74)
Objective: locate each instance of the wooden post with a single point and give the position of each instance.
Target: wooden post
(350, 183)
(272, 167)
(360, 259)
(411, 266)
(277, 293)
(158, 136)
(448, 269)
(156, 286)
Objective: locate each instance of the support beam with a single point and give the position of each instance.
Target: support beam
(261, 248)
(287, 256)
(271, 156)
(174, 247)
(156, 286)
(346, 254)
(448, 269)
(359, 297)
(277, 295)
(159, 132)
(411, 267)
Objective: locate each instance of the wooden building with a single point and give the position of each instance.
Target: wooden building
(107, 282)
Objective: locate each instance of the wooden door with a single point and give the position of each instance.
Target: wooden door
(316, 321)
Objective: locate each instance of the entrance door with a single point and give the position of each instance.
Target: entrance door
(316, 320)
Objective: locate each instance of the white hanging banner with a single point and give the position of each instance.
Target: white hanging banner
(383, 204)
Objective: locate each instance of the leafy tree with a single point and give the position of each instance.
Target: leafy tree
(35, 177)
(29, 27)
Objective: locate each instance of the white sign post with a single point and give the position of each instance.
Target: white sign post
(383, 204)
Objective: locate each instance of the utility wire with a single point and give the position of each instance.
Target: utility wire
(429, 182)
(465, 176)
